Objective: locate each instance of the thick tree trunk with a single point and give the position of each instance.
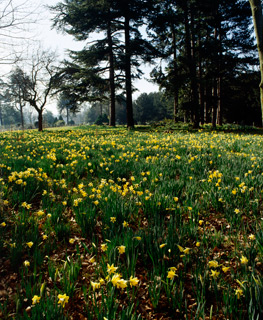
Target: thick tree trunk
(128, 82)
(112, 81)
(257, 15)
(40, 120)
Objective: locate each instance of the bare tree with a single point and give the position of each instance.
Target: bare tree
(36, 85)
(15, 19)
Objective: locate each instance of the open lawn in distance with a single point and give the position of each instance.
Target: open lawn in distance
(107, 223)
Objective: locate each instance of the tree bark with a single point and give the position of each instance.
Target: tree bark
(128, 82)
(190, 47)
(67, 110)
(256, 9)
(40, 120)
(112, 81)
(21, 116)
(175, 75)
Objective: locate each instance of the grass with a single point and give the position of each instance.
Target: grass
(103, 223)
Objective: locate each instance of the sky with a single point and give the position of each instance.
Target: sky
(51, 39)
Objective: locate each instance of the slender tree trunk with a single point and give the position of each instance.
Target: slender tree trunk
(128, 82)
(1, 116)
(112, 81)
(190, 47)
(256, 9)
(40, 120)
(175, 79)
(219, 79)
(205, 105)
(67, 110)
(214, 106)
(219, 102)
(201, 86)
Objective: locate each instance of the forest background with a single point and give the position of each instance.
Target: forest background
(202, 55)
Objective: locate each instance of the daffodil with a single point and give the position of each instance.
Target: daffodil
(214, 274)
(35, 299)
(133, 281)
(251, 237)
(63, 299)
(122, 284)
(95, 285)
(115, 278)
(225, 269)
(213, 264)
(26, 263)
(238, 293)
(243, 260)
(29, 244)
(104, 247)
(121, 249)
(111, 269)
(171, 274)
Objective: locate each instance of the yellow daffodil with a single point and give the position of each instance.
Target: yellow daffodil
(29, 244)
(252, 237)
(26, 263)
(121, 249)
(115, 278)
(238, 293)
(122, 284)
(95, 285)
(162, 245)
(111, 269)
(171, 274)
(243, 260)
(63, 299)
(35, 299)
(214, 274)
(104, 247)
(133, 281)
(225, 269)
(213, 264)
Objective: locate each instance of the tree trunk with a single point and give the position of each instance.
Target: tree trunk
(190, 47)
(1, 116)
(67, 110)
(40, 120)
(256, 9)
(128, 82)
(175, 79)
(214, 106)
(21, 116)
(112, 81)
